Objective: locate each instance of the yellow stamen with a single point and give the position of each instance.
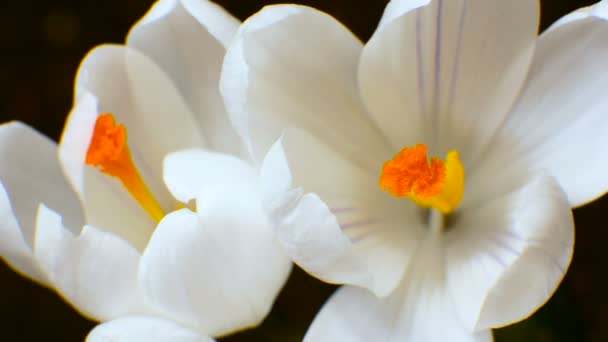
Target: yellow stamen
(436, 184)
(109, 150)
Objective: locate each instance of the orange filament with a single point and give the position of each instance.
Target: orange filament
(410, 171)
(436, 184)
(109, 150)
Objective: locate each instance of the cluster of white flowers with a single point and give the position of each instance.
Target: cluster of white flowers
(206, 155)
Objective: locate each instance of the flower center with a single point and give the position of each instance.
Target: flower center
(109, 150)
(435, 184)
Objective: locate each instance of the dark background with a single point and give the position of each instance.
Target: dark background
(41, 45)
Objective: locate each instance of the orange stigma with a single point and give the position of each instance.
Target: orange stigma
(109, 150)
(436, 184)
(410, 171)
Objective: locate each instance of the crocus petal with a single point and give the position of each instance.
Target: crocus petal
(143, 98)
(416, 311)
(143, 329)
(107, 204)
(30, 174)
(229, 265)
(294, 66)
(374, 258)
(96, 271)
(276, 180)
(397, 8)
(506, 258)
(347, 231)
(561, 117)
(186, 39)
(447, 73)
(122, 81)
(14, 250)
(599, 10)
(229, 268)
(188, 172)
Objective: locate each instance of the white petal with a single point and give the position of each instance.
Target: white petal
(446, 74)
(313, 239)
(417, 311)
(96, 271)
(124, 82)
(186, 39)
(13, 249)
(501, 169)
(365, 237)
(229, 265)
(187, 173)
(507, 257)
(599, 10)
(294, 66)
(30, 174)
(143, 329)
(143, 98)
(275, 178)
(397, 8)
(107, 204)
(221, 24)
(561, 117)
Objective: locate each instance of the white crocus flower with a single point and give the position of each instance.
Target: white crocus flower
(175, 244)
(485, 236)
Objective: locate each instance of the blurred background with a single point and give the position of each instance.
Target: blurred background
(42, 43)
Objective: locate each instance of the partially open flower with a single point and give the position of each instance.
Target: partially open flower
(162, 227)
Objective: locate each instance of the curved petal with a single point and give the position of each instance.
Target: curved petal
(501, 169)
(30, 174)
(96, 271)
(14, 249)
(416, 311)
(188, 172)
(229, 265)
(446, 74)
(313, 239)
(124, 82)
(361, 236)
(143, 98)
(275, 178)
(107, 204)
(187, 40)
(397, 8)
(561, 116)
(507, 257)
(599, 10)
(294, 66)
(143, 329)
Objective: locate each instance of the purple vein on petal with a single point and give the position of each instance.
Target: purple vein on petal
(436, 87)
(341, 210)
(538, 246)
(355, 224)
(551, 258)
(360, 237)
(506, 246)
(499, 260)
(420, 63)
(456, 69)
